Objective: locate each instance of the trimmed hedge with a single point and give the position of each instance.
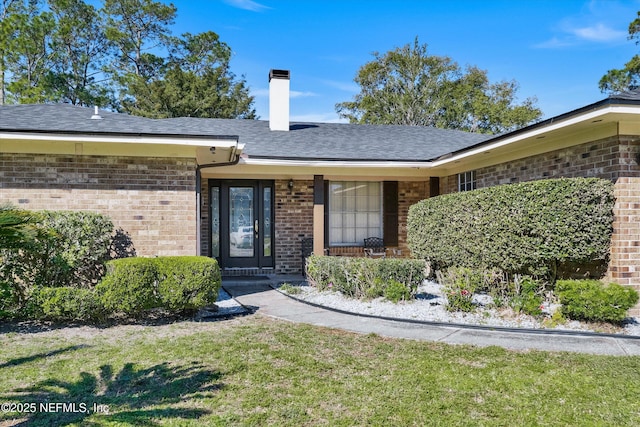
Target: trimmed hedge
(130, 286)
(394, 278)
(592, 300)
(134, 285)
(65, 304)
(528, 228)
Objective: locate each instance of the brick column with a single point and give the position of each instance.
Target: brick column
(318, 215)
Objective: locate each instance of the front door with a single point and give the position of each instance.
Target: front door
(242, 223)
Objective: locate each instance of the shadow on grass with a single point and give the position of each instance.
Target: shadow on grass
(21, 360)
(132, 396)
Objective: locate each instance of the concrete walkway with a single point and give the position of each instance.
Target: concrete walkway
(258, 295)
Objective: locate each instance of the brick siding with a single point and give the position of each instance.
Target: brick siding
(293, 222)
(151, 199)
(409, 193)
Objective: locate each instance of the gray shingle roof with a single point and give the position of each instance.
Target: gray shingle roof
(329, 141)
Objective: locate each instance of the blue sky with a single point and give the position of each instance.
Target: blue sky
(557, 50)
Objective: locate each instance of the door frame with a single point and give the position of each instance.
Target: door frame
(259, 259)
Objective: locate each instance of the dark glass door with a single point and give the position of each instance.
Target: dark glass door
(242, 223)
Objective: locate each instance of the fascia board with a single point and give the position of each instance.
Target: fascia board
(504, 141)
(146, 140)
(335, 163)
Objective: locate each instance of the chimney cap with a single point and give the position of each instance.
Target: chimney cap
(279, 74)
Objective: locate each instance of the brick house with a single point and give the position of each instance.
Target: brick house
(248, 192)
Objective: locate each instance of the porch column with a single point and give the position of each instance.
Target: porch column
(318, 215)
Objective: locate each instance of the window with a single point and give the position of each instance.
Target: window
(467, 181)
(355, 212)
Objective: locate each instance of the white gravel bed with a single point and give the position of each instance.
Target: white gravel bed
(225, 306)
(429, 305)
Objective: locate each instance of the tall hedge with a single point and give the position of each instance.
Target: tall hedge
(532, 227)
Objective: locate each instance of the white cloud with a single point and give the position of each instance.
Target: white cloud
(345, 87)
(597, 22)
(598, 33)
(247, 5)
(259, 93)
(298, 94)
(553, 43)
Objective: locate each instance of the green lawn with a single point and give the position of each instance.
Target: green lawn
(259, 371)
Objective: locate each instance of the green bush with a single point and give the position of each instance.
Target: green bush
(134, 285)
(529, 228)
(187, 283)
(67, 249)
(66, 304)
(130, 286)
(9, 300)
(594, 301)
(365, 277)
(395, 291)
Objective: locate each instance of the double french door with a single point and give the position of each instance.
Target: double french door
(242, 223)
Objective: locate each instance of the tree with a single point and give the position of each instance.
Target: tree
(81, 48)
(136, 28)
(29, 57)
(408, 86)
(9, 11)
(122, 56)
(196, 81)
(627, 78)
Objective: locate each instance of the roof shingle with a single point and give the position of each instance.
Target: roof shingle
(317, 141)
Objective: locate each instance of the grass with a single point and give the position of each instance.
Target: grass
(260, 371)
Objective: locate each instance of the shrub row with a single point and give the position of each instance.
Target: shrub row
(394, 278)
(528, 228)
(132, 286)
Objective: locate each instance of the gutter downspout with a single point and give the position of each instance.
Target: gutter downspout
(234, 159)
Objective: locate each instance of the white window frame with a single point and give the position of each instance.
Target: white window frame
(467, 181)
(357, 219)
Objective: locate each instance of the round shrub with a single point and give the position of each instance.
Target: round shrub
(528, 228)
(130, 286)
(594, 301)
(187, 283)
(395, 291)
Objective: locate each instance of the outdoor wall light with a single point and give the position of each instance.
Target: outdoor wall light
(291, 185)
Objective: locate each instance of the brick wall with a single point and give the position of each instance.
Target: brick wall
(293, 222)
(409, 193)
(151, 199)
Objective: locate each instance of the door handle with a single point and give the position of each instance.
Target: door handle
(256, 227)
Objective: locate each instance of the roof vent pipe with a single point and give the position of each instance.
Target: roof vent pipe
(279, 100)
(96, 115)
